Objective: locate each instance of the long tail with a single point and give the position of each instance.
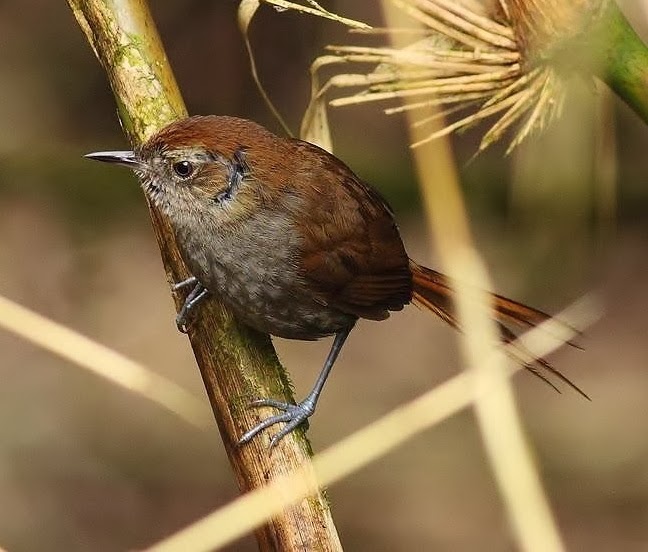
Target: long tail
(433, 291)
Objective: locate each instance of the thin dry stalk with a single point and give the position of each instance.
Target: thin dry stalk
(102, 361)
(317, 10)
(510, 458)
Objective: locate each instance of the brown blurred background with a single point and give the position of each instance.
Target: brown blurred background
(87, 466)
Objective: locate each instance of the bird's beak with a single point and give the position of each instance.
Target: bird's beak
(126, 158)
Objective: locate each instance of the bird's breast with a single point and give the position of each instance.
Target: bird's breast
(254, 269)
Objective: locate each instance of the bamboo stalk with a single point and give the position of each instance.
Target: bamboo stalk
(236, 363)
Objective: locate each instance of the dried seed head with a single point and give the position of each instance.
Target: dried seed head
(486, 63)
(540, 23)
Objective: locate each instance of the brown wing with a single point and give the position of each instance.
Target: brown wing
(352, 254)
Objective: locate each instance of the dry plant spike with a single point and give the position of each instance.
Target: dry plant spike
(477, 19)
(470, 120)
(536, 119)
(314, 126)
(440, 115)
(467, 57)
(317, 10)
(523, 102)
(508, 91)
(465, 99)
(460, 18)
(505, 9)
(441, 27)
(440, 88)
(385, 30)
(246, 11)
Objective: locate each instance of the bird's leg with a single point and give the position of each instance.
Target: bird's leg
(195, 296)
(296, 414)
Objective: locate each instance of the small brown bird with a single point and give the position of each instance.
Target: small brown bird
(289, 238)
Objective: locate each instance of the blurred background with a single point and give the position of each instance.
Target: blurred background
(85, 465)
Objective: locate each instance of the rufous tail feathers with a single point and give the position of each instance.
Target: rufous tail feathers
(433, 290)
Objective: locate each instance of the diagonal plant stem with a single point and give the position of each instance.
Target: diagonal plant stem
(236, 363)
(496, 412)
(366, 445)
(102, 361)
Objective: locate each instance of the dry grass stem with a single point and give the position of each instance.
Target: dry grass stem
(103, 361)
(441, 115)
(314, 127)
(473, 16)
(247, 10)
(489, 32)
(316, 9)
(447, 129)
(465, 99)
(385, 30)
(505, 9)
(508, 452)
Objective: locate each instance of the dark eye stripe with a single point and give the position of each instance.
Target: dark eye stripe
(238, 170)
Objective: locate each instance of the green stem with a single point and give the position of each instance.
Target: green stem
(624, 60)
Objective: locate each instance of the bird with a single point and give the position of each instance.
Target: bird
(292, 241)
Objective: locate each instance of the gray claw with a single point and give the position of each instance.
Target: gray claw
(198, 293)
(293, 416)
(191, 281)
(272, 403)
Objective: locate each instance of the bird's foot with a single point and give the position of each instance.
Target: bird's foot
(195, 296)
(293, 415)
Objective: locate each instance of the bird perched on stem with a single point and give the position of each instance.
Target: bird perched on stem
(290, 239)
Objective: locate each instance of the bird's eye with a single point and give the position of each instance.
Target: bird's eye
(184, 169)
